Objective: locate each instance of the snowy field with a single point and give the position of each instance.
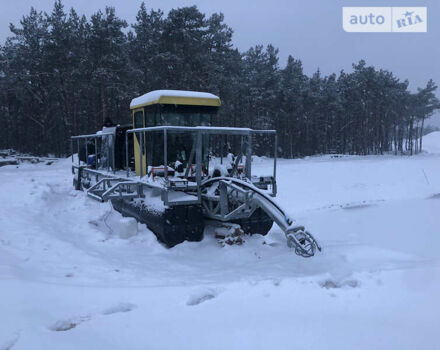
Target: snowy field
(74, 275)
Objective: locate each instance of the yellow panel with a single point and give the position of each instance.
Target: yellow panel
(183, 100)
(137, 151)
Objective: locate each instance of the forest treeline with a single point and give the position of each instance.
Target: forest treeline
(63, 74)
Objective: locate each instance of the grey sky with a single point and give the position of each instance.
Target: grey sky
(310, 30)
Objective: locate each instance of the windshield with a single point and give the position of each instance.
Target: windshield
(181, 115)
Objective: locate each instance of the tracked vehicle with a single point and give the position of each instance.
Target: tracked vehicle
(173, 171)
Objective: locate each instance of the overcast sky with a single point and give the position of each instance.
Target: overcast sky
(307, 29)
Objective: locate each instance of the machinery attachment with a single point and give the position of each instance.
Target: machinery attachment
(230, 199)
(302, 241)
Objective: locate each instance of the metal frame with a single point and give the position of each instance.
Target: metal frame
(119, 184)
(95, 138)
(199, 131)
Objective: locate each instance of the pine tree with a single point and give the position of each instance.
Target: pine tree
(108, 64)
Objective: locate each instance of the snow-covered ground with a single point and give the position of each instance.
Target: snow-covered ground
(74, 275)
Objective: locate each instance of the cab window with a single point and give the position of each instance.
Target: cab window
(139, 119)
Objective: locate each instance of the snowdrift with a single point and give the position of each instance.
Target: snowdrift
(431, 142)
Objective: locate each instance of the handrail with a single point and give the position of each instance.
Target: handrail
(203, 129)
(88, 136)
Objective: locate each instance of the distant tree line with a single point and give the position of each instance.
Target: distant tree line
(62, 74)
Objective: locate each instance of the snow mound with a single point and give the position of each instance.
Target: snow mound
(431, 142)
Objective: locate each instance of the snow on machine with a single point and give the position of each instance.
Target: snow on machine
(173, 171)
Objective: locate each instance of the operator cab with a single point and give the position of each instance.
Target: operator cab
(170, 108)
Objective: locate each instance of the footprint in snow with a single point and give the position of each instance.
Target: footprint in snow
(434, 196)
(357, 206)
(201, 296)
(8, 345)
(121, 307)
(331, 284)
(70, 323)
